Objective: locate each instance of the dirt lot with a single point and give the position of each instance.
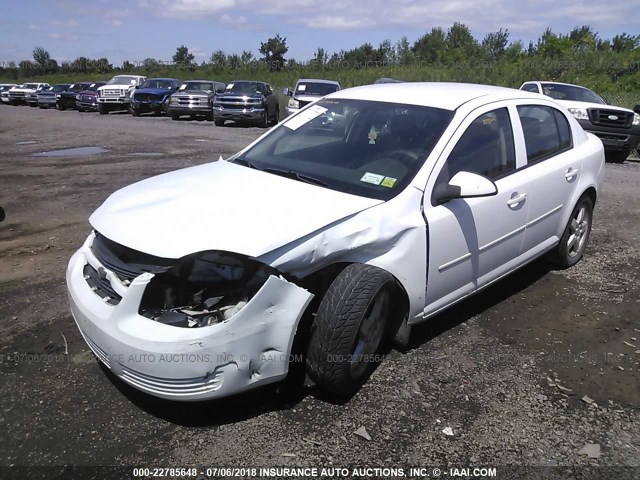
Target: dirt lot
(507, 371)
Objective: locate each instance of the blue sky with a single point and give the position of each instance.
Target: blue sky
(137, 29)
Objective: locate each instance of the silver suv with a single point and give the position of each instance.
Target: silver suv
(309, 90)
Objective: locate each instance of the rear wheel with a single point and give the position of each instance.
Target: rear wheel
(576, 235)
(350, 329)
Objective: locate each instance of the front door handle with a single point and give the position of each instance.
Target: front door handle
(516, 198)
(571, 174)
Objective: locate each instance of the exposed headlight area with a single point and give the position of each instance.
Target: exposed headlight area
(579, 113)
(196, 291)
(293, 103)
(636, 119)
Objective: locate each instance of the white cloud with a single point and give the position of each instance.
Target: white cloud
(66, 36)
(230, 20)
(189, 8)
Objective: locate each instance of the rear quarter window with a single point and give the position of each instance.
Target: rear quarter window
(546, 131)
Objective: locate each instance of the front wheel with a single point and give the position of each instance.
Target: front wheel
(264, 121)
(617, 157)
(350, 329)
(102, 108)
(576, 235)
(218, 123)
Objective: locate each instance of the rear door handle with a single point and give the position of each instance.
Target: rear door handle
(571, 174)
(516, 199)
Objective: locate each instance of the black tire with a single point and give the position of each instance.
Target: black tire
(209, 116)
(175, 116)
(338, 357)
(135, 112)
(617, 157)
(61, 107)
(567, 253)
(103, 109)
(218, 123)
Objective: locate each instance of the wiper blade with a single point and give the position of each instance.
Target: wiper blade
(246, 163)
(296, 176)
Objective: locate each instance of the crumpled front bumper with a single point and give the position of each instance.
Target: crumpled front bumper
(250, 349)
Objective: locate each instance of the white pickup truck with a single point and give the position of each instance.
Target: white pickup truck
(116, 94)
(19, 94)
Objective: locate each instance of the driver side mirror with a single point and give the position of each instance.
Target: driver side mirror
(463, 185)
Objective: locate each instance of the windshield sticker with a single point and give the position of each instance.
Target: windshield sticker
(305, 117)
(72, 85)
(302, 88)
(372, 178)
(183, 86)
(389, 182)
(230, 86)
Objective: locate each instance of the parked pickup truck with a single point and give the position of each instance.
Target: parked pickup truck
(193, 98)
(116, 94)
(18, 95)
(617, 127)
(152, 95)
(246, 101)
(4, 91)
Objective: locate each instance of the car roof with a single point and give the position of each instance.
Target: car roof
(445, 95)
(318, 80)
(163, 78)
(202, 81)
(555, 83)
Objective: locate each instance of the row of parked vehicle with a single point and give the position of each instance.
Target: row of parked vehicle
(243, 101)
(250, 101)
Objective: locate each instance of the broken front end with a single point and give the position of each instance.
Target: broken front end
(208, 325)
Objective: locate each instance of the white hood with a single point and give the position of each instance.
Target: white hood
(574, 104)
(219, 206)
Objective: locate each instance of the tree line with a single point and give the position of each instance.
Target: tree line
(580, 56)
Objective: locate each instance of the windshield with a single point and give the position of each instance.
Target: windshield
(156, 83)
(312, 88)
(200, 86)
(94, 86)
(243, 88)
(366, 148)
(30, 85)
(570, 92)
(122, 80)
(78, 87)
(59, 88)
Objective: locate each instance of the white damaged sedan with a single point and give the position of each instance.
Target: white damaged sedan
(364, 214)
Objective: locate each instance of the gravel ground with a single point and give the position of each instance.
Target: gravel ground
(525, 374)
